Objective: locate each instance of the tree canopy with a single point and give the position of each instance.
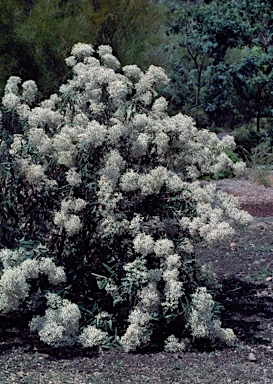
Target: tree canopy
(222, 60)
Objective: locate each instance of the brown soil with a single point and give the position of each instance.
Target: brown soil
(244, 265)
(255, 198)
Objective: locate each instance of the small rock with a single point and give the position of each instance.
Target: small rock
(44, 356)
(264, 293)
(269, 278)
(252, 357)
(20, 374)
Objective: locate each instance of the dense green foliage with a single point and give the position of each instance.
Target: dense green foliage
(223, 71)
(37, 36)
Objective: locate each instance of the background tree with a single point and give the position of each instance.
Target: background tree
(36, 36)
(222, 55)
(204, 32)
(253, 81)
(134, 29)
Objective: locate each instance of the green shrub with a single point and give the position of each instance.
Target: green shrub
(101, 198)
(247, 138)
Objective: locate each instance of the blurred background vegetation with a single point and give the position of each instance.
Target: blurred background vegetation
(217, 53)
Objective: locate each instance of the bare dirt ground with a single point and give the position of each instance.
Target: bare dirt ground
(244, 265)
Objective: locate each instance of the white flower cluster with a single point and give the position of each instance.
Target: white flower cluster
(173, 286)
(66, 218)
(202, 322)
(170, 266)
(73, 177)
(230, 206)
(34, 174)
(39, 141)
(138, 330)
(13, 289)
(14, 282)
(214, 211)
(60, 324)
(92, 337)
(173, 345)
(143, 244)
(29, 91)
(136, 271)
(13, 99)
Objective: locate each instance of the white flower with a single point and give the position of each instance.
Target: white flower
(71, 61)
(136, 271)
(172, 345)
(137, 316)
(56, 275)
(228, 143)
(110, 61)
(39, 116)
(73, 225)
(135, 224)
(202, 321)
(80, 50)
(38, 139)
(150, 298)
(92, 337)
(35, 174)
(11, 101)
(12, 85)
(129, 181)
(140, 146)
(29, 91)
(60, 218)
(132, 338)
(79, 205)
(13, 289)
(9, 257)
(133, 72)
(117, 89)
(160, 105)
(59, 326)
(104, 50)
(73, 177)
(30, 268)
(23, 111)
(95, 134)
(164, 247)
(143, 244)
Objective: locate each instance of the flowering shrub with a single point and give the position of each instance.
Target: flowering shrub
(107, 184)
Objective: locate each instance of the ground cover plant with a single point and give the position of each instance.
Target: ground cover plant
(102, 203)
